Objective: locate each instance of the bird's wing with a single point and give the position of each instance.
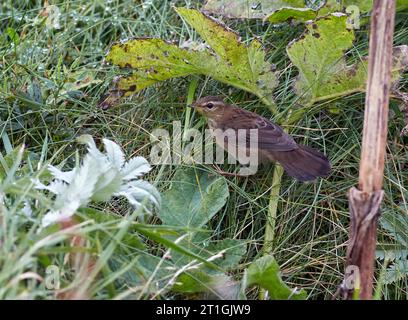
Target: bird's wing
(270, 136)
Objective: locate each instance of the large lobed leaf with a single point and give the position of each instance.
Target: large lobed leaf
(265, 272)
(245, 9)
(277, 11)
(319, 56)
(193, 199)
(228, 252)
(230, 60)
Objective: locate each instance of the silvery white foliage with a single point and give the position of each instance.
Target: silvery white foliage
(27, 210)
(135, 168)
(138, 190)
(114, 153)
(98, 178)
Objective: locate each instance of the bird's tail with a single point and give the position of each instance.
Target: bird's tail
(304, 163)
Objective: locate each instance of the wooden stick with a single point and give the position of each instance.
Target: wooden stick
(365, 201)
(377, 98)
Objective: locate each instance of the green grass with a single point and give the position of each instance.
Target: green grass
(312, 219)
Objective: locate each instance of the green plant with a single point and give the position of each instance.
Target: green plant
(395, 255)
(43, 107)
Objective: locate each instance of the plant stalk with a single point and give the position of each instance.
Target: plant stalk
(269, 236)
(365, 200)
(272, 210)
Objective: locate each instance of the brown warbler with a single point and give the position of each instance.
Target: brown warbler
(273, 144)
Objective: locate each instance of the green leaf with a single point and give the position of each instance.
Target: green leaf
(319, 56)
(193, 199)
(229, 253)
(396, 223)
(230, 60)
(79, 80)
(272, 11)
(130, 239)
(402, 5)
(265, 272)
(194, 281)
(233, 250)
(397, 271)
(364, 6)
(278, 11)
(285, 14)
(203, 280)
(245, 9)
(226, 253)
(7, 160)
(13, 35)
(390, 251)
(215, 286)
(12, 164)
(156, 236)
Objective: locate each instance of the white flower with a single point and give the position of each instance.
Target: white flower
(98, 178)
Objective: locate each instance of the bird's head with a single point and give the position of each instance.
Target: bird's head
(212, 107)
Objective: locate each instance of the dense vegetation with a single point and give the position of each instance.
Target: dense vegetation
(53, 76)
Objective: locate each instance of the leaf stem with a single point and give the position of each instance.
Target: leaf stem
(270, 105)
(271, 216)
(337, 95)
(272, 209)
(190, 97)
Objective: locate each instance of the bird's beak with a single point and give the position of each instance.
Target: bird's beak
(193, 105)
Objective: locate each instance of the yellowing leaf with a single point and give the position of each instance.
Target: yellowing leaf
(153, 60)
(319, 56)
(230, 60)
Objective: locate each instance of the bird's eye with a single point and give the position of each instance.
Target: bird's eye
(209, 105)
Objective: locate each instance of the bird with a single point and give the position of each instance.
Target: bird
(274, 144)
